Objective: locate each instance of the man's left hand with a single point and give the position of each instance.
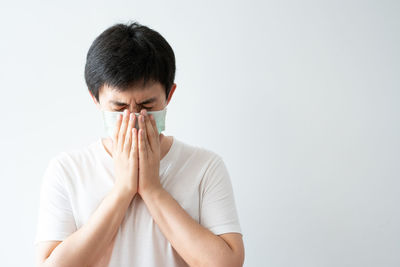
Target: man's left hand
(149, 155)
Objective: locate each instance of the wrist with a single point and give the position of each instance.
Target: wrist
(152, 193)
(123, 193)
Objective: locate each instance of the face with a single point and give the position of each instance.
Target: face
(152, 98)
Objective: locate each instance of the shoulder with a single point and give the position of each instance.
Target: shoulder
(69, 161)
(199, 159)
(198, 152)
(77, 155)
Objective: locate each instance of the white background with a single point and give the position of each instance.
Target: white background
(300, 98)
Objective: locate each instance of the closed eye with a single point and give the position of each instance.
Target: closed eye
(121, 110)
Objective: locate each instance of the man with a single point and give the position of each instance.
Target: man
(136, 198)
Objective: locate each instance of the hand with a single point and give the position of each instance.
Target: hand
(149, 155)
(125, 154)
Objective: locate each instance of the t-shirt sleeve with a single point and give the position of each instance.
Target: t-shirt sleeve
(55, 217)
(218, 210)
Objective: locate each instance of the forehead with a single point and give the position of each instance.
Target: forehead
(134, 93)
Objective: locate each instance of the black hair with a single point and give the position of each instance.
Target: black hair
(125, 55)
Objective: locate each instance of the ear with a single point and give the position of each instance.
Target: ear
(171, 93)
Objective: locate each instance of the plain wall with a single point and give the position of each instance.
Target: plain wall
(300, 98)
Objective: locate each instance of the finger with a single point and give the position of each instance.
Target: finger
(146, 133)
(161, 137)
(151, 135)
(154, 124)
(134, 148)
(128, 137)
(122, 131)
(142, 126)
(142, 144)
(116, 131)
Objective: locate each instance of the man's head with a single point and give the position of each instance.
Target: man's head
(130, 67)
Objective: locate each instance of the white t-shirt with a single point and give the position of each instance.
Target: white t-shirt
(76, 181)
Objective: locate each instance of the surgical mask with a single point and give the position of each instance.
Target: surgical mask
(110, 120)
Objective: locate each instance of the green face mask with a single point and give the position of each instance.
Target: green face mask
(110, 120)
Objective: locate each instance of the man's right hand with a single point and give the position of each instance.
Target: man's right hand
(125, 154)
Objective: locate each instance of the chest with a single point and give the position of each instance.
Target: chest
(90, 188)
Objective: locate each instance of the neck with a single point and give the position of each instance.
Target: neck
(165, 145)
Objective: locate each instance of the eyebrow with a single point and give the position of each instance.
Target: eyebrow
(147, 101)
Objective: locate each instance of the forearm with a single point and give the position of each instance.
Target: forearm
(89, 242)
(197, 245)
